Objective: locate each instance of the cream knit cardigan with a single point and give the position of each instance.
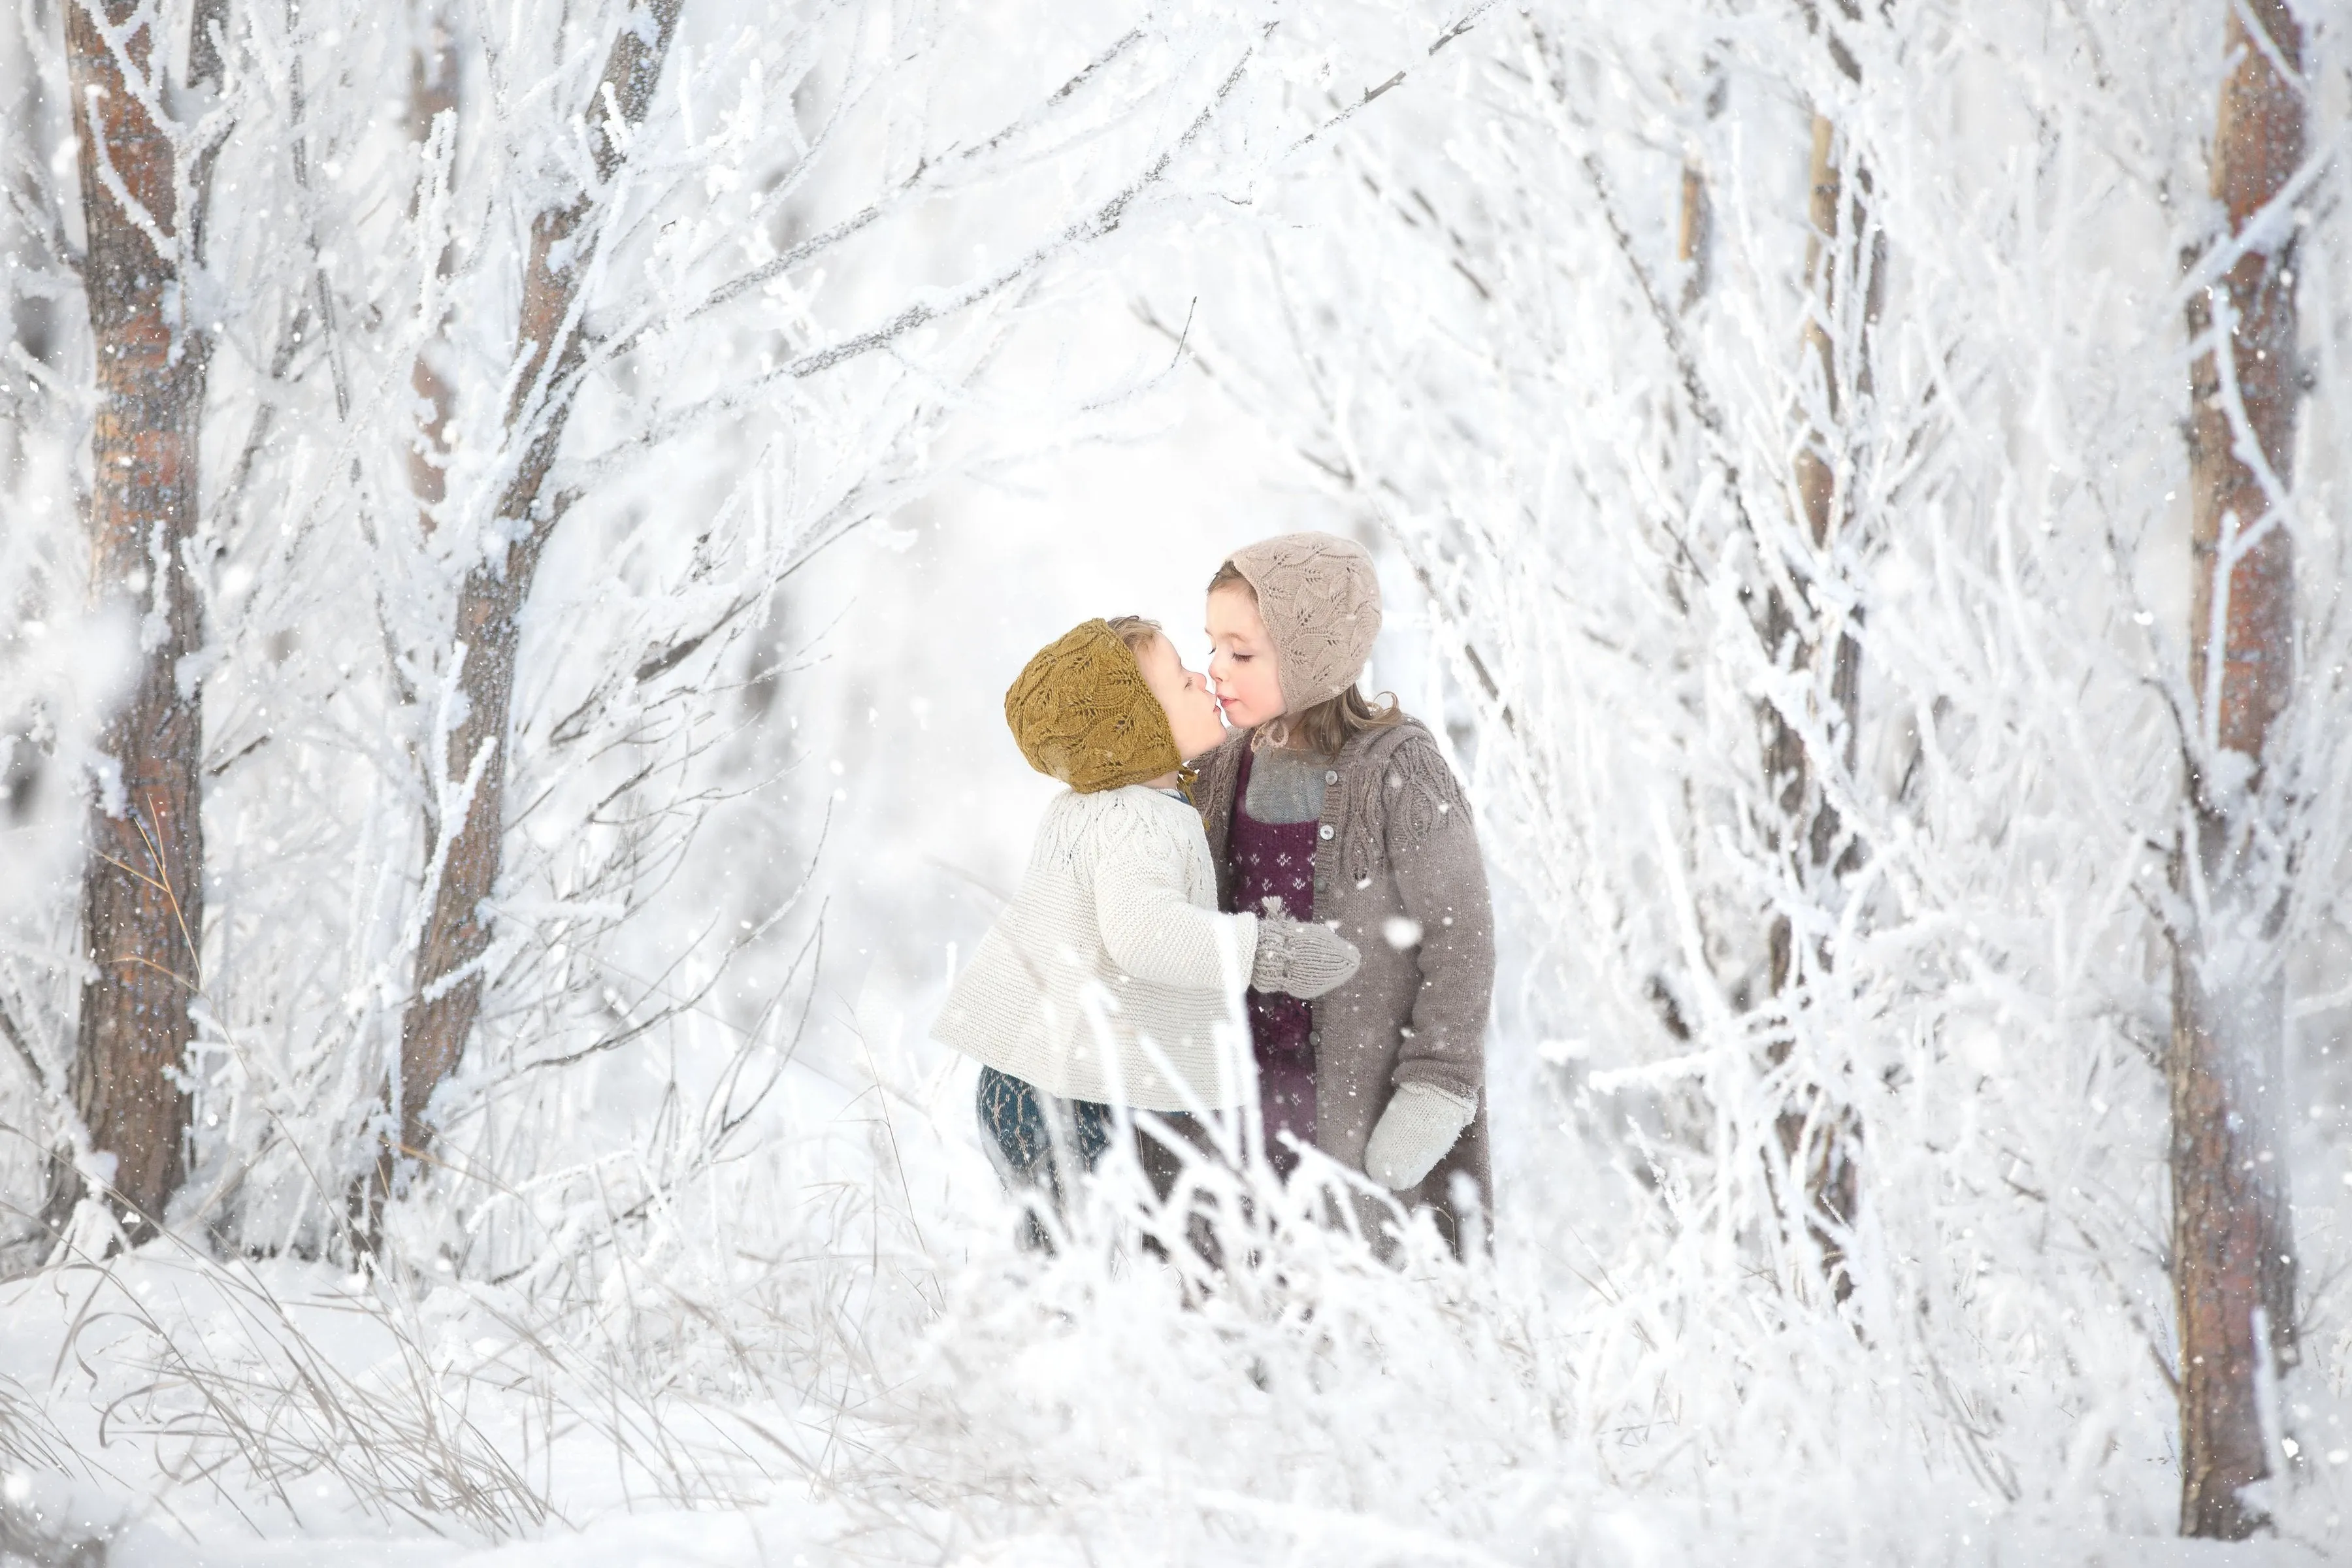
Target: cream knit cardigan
(1113, 941)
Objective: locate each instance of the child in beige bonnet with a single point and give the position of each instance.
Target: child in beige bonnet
(1334, 810)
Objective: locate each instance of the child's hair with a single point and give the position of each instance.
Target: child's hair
(1135, 632)
(1331, 723)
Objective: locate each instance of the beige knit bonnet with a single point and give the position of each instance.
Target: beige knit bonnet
(1081, 712)
(1320, 601)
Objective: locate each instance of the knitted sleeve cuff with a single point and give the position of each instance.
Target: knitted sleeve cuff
(1466, 1104)
(1250, 933)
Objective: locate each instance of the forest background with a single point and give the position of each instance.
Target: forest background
(518, 518)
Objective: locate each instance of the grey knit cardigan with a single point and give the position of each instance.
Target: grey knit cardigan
(1397, 866)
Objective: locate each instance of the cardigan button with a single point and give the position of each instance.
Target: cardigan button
(1324, 831)
(1331, 776)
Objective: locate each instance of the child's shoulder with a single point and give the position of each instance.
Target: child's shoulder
(1141, 808)
(1405, 733)
(1139, 801)
(1133, 817)
(1402, 777)
(1405, 741)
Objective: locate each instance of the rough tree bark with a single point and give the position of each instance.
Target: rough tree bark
(1692, 233)
(432, 93)
(143, 891)
(1839, 265)
(2232, 1256)
(465, 854)
(1695, 228)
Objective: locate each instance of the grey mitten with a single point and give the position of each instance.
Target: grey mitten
(1414, 1133)
(1299, 958)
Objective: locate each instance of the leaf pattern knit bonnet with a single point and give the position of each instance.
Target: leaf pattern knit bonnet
(1320, 600)
(1081, 713)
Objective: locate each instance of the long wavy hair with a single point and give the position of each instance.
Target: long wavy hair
(1329, 724)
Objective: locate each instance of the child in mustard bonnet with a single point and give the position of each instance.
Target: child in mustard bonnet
(1111, 979)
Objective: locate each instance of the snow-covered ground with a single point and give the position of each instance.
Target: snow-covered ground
(826, 1351)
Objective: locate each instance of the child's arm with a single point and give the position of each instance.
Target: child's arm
(1149, 928)
(1441, 880)
(1154, 932)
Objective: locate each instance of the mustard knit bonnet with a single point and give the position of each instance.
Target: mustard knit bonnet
(1081, 713)
(1320, 600)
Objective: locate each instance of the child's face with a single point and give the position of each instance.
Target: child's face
(1241, 659)
(1183, 696)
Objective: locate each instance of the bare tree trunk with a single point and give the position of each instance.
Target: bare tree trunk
(466, 854)
(2232, 1256)
(1824, 1147)
(1691, 234)
(432, 93)
(142, 891)
(1695, 230)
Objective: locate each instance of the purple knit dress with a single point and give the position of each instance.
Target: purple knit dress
(1274, 870)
